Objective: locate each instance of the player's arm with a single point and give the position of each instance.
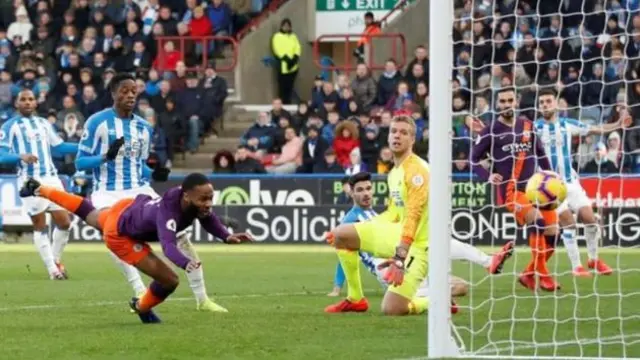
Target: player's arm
(416, 180)
(215, 227)
(599, 129)
(478, 153)
(541, 155)
(166, 226)
(7, 157)
(87, 157)
(58, 146)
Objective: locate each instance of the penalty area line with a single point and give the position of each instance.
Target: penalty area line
(177, 299)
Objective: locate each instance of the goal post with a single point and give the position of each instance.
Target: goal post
(597, 78)
(441, 58)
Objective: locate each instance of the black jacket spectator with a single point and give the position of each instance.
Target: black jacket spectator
(603, 167)
(313, 150)
(387, 86)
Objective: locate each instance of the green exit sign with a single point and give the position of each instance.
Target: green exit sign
(355, 5)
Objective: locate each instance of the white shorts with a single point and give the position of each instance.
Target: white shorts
(576, 198)
(34, 205)
(103, 198)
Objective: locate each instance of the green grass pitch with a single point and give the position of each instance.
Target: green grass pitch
(275, 295)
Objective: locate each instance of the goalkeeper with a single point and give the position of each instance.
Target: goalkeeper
(362, 194)
(401, 230)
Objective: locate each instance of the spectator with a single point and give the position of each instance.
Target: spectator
(369, 146)
(244, 164)
(178, 79)
(167, 58)
(223, 162)
(277, 111)
(260, 135)
(286, 49)
(21, 27)
(385, 161)
(280, 138)
(159, 101)
(371, 28)
(291, 157)
(89, 104)
(364, 88)
(383, 130)
(328, 165)
(175, 126)
(421, 56)
(200, 26)
(329, 130)
(159, 144)
(215, 92)
(139, 58)
(600, 164)
(461, 164)
(614, 149)
(397, 101)
(482, 110)
(69, 108)
(152, 87)
(388, 82)
(300, 117)
(346, 139)
(168, 23)
(317, 96)
(418, 75)
(220, 17)
(356, 163)
(421, 147)
(313, 150)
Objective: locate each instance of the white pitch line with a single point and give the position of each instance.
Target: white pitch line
(121, 302)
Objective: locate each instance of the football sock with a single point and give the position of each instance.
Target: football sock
(350, 262)
(131, 274)
(591, 237)
(571, 245)
(195, 277)
(74, 203)
(43, 245)
(418, 305)
(154, 295)
(538, 244)
(60, 239)
(462, 251)
(338, 279)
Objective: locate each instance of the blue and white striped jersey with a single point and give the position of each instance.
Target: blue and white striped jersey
(556, 139)
(358, 214)
(125, 172)
(31, 135)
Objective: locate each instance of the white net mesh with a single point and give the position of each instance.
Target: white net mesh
(588, 52)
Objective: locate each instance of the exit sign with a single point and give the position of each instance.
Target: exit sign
(355, 5)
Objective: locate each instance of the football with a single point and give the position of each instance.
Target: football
(546, 190)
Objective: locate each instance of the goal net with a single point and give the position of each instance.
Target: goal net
(588, 53)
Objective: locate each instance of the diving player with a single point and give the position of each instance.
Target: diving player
(29, 141)
(131, 224)
(127, 174)
(516, 155)
(556, 132)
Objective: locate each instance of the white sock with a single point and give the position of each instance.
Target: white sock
(42, 243)
(196, 278)
(60, 239)
(462, 251)
(591, 232)
(132, 275)
(571, 245)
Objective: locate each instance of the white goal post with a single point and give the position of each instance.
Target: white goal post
(595, 317)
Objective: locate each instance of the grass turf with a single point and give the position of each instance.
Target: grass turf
(275, 295)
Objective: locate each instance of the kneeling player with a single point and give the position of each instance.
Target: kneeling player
(362, 193)
(130, 224)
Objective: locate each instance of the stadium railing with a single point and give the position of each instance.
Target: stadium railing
(183, 42)
(397, 43)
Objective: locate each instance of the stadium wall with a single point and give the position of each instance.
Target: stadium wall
(300, 209)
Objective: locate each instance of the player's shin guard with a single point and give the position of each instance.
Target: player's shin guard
(195, 277)
(60, 239)
(350, 262)
(74, 203)
(571, 245)
(155, 294)
(591, 237)
(418, 305)
(43, 245)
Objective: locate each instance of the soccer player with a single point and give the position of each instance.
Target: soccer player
(126, 175)
(29, 141)
(516, 155)
(401, 230)
(556, 132)
(131, 224)
(362, 194)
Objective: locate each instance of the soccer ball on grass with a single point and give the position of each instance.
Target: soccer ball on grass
(546, 190)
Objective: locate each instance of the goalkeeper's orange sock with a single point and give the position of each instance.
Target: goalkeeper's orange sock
(350, 262)
(418, 305)
(539, 252)
(74, 203)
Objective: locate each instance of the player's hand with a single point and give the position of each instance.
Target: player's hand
(192, 266)
(160, 174)
(29, 158)
(394, 275)
(495, 179)
(239, 238)
(114, 148)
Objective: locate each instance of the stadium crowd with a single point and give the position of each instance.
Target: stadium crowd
(588, 52)
(68, 51)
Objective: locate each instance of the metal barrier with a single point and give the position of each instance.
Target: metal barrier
(398, 51)
(183, 44)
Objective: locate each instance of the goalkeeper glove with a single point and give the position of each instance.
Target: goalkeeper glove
(160, 174)
(395, 267)
(114, 148)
